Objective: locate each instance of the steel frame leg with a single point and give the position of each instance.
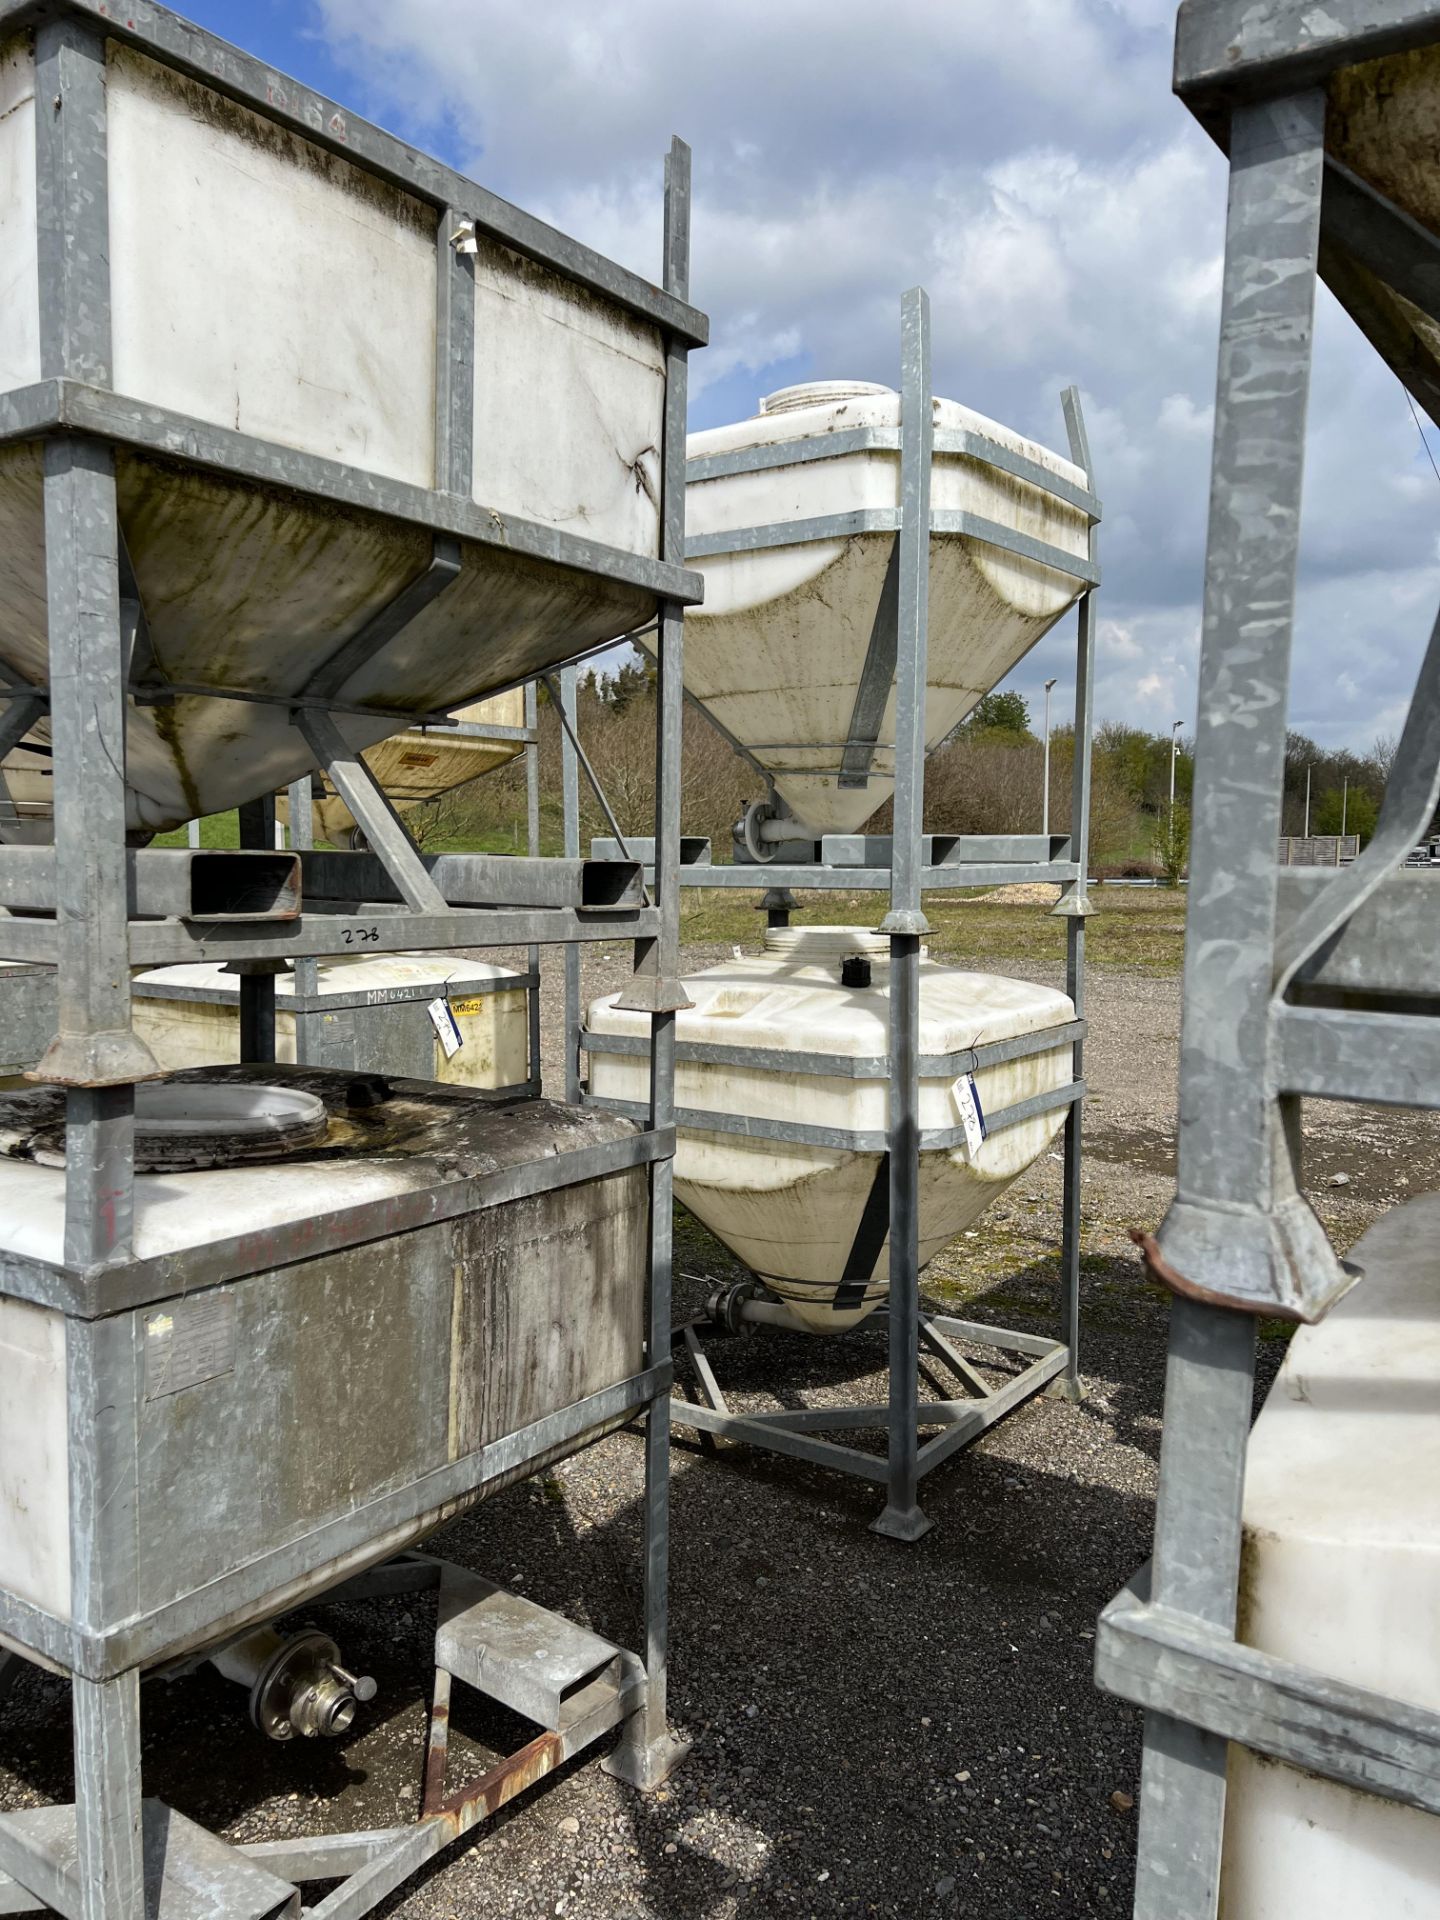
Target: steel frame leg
(902, 1518)
(570, 799)
(110, 1858)
(647, 1751)
(906, 923)
(1074, 905)
(532, 841)
(1222, 1218)
(1068, 1385)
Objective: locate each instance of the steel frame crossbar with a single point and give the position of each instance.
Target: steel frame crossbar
(901, 867)
(68, 406)
(849, 1139)
(96, 638)
(1314, 984)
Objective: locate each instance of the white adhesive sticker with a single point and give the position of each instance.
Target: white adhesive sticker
(447, 1027)
(972, 1114)
(188, 1342)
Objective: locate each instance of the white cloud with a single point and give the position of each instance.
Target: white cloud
(1179, 415)
(1028, 164)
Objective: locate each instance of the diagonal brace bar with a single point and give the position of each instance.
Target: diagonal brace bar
(876, 679)
(390, 622)
(372, 808)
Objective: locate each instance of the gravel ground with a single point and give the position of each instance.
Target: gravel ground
(877, 1729)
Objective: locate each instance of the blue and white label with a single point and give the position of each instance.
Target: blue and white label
(447, 1027)
(972, 1114)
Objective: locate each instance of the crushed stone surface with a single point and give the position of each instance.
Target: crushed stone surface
(876, 1729)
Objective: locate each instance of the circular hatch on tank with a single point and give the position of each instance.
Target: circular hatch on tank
(180, 1125)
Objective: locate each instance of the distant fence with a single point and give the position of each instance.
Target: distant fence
(1317, 849)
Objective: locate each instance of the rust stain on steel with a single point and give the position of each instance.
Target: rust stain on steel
(1159, 1268)
(502, 1783)
(436, 1753)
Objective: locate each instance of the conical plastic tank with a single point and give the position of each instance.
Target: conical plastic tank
(421, 764)
(791, 1211)
(415, 766)
(777, 652)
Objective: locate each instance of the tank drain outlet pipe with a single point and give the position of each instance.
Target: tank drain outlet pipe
(735, 1308)
(297, 1684)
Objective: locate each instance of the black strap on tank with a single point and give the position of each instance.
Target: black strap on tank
(869, 1239)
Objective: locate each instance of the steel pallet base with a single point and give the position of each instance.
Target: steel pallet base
(487, 1638)
(793, 1431)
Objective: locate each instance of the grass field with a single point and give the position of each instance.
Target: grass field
(223, 830)
(1128, 926)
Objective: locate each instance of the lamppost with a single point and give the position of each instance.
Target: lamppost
(1045, 804)
(1308, 770)
(1174, 749)
(1344, 803)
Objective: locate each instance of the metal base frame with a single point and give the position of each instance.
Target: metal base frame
(792, 1431)
(45, 1851)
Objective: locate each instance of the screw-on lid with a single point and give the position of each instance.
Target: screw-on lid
(820, 393)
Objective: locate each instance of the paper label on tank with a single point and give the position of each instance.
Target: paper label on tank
(467, 1009)
(972, 1114)
(191, 1341)
(447, 1027)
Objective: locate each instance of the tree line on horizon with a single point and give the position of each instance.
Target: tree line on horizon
(986, 778)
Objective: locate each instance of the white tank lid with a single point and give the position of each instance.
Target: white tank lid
(185, 1109)
(203, 1124)
(816, 945)
(180, 1125)
(820, 393)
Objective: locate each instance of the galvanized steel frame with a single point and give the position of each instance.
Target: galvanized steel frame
(909, 871)
(369, 1864)
(93, 944)
(1291, 984)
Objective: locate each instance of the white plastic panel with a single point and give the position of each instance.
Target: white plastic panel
(569, 405)
(19, 281)
(34, 1458)
(262, 284)
(1298, 1845)
(1341, 1574)
(175, 1211)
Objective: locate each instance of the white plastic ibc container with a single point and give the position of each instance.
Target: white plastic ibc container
(789, 1210)
(283, 296)
(189, 1016)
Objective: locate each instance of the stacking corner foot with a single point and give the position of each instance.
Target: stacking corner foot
(902, 1523)
(645, 1765)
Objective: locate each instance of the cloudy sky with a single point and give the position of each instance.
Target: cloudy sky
(1028, 164)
